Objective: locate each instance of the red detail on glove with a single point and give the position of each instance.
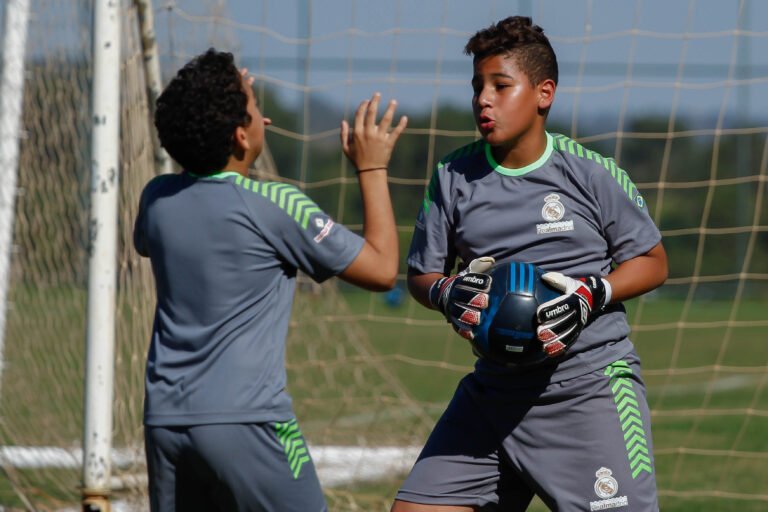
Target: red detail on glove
(585, 292)
(479, 301)
(551, 345)
(554, 348)
(470, 316)
(445, 283)
(546, 335)
(466, 334)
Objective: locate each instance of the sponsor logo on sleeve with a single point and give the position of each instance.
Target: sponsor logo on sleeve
(325, 229)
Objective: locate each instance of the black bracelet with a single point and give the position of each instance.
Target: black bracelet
(371, 169)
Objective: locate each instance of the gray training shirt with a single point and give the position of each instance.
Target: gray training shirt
(225, 251)
(571, 211)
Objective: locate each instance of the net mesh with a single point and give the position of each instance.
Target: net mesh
(673, 95)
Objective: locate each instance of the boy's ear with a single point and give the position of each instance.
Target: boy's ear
(241, 138)
(546, 93)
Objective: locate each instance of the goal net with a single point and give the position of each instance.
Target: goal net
(677, 96)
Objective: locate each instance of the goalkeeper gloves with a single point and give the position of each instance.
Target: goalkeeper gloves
(562, 319)
(461, 298)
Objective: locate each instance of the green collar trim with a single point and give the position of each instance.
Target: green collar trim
(523, 170)
(218, 176)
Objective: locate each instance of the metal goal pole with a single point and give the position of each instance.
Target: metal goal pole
(11, 95)
(102, 257)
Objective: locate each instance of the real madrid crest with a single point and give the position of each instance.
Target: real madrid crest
(553, 209)
(606, 486)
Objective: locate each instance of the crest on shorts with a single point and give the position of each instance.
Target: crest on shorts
(606, 486)
(553, 209)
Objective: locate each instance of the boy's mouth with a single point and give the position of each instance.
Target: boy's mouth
(486, 123)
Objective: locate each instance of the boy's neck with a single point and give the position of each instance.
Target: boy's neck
(239, 166)
(521, 152)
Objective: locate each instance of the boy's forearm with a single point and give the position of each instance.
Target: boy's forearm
(639, 275)
(419, 285)
(375, 267)
(379, 228)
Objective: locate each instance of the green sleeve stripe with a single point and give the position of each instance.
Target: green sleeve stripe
(431, 192)
(291, 200)
(287, 197)
(278, 192)
(302, 203)
(632, 192)
(309, 211)
(283, 196)
(572, 147)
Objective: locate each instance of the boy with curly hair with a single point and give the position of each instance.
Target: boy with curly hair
(575, 429)
(220, 432)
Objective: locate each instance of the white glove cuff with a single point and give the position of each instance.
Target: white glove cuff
(608, 291)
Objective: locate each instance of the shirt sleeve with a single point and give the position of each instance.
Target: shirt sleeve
(627, 225)
(431, 247)
(301, 233)
(139, 237)
(140, 226)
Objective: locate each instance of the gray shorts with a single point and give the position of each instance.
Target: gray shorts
(231, 467)
(581, 444)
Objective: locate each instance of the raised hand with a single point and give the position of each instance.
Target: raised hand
(369, 145)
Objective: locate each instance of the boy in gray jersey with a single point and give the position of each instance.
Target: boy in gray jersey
(219, 427)
(574, 430)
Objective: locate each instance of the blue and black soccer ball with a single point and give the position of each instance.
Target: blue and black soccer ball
(507, 332)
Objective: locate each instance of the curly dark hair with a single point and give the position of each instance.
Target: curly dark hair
(199, 110)
(519, 37)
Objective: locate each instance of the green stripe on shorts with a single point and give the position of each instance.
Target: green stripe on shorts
(629, 415)
(290, 438)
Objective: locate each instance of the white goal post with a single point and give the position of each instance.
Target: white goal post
(11, 94)
(102, 256)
